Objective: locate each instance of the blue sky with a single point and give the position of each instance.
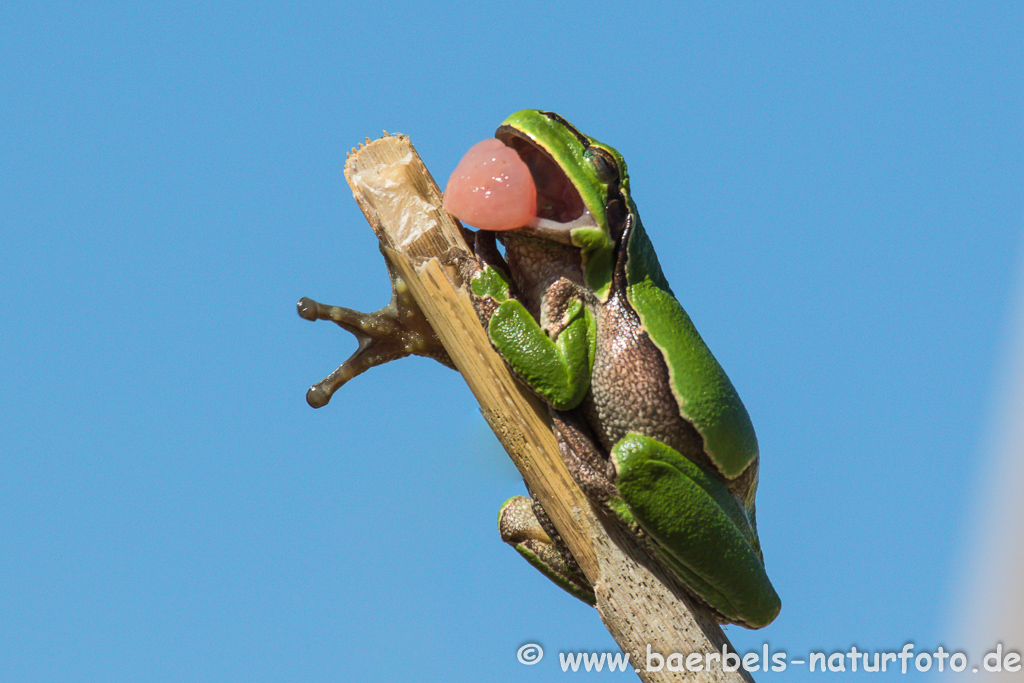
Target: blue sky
(835, 196)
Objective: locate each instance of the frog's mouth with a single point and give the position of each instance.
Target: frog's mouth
(560, 208)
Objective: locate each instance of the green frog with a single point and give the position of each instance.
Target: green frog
(648, 423)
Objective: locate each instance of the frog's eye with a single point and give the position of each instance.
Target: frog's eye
(604, 165)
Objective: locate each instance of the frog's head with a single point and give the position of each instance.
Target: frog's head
(579, 187)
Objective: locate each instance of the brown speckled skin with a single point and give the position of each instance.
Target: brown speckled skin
(630, 387)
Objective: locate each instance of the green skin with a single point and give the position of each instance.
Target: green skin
(647, 421)
(652, 426)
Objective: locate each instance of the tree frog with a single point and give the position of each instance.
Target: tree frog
(647, 421)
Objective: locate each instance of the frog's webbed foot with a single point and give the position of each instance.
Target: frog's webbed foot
(395, 331)
(525, 526)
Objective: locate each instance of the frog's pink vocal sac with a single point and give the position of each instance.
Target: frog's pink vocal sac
(491, 188)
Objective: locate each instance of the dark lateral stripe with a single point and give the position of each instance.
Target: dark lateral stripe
(584, 140)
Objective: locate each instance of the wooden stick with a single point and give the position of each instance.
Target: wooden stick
(639, 604)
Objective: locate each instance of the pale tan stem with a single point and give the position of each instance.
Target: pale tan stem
(640, 606)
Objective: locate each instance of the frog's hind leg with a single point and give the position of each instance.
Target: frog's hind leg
(525, 526)
(588, 464)
(395, 331)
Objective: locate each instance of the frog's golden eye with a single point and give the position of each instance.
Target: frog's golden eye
(604, 165)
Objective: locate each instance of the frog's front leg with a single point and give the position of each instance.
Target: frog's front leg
(555, 356)
(395, 331)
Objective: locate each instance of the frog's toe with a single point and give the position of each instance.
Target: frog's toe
(395, 331)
